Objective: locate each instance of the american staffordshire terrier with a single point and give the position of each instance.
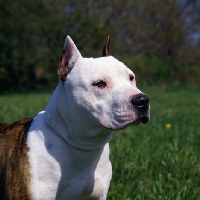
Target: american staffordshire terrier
(63, 153)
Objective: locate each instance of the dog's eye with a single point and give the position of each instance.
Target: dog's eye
(131, 77)
(99, 84)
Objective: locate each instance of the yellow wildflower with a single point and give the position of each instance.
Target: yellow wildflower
(168, 126)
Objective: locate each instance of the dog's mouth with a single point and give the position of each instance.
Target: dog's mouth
(144, 119)
(124, 120)
(141, 119)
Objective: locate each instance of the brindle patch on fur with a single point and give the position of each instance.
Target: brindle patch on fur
(14, 163)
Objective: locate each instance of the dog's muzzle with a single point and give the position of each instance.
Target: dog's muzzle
(141, 104)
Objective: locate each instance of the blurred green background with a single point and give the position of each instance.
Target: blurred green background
(158, 40)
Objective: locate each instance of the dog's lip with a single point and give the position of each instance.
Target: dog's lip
(144, 119)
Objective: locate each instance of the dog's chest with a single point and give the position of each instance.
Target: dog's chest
(103, 175)
(60, 171)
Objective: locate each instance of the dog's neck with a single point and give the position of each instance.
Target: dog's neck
(90, 138)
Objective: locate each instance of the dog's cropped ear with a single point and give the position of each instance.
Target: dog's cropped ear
(70, 55)
(106, 51)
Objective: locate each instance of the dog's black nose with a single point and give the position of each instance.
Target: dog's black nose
(141, 102)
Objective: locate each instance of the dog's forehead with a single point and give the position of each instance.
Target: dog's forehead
(103, 65)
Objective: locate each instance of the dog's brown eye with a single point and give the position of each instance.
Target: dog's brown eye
(131, 77)
(99, 84)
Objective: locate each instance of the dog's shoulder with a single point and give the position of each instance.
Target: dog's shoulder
(3, 126)
(8, 132)
(14, 165)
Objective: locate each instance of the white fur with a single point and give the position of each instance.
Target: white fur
(61, 171)
(68, 142)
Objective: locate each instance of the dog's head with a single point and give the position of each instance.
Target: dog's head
(102, 90)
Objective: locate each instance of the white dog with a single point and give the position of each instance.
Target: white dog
(63, 153)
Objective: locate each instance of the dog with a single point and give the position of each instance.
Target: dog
(63, 153)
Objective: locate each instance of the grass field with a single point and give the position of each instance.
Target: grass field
(160, 160)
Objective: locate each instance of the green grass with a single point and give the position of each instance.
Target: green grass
(160, 160)
(18, 106)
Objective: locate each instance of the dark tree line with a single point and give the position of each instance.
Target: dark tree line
(156, 32)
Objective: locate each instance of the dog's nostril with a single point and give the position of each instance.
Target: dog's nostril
(141, 102)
